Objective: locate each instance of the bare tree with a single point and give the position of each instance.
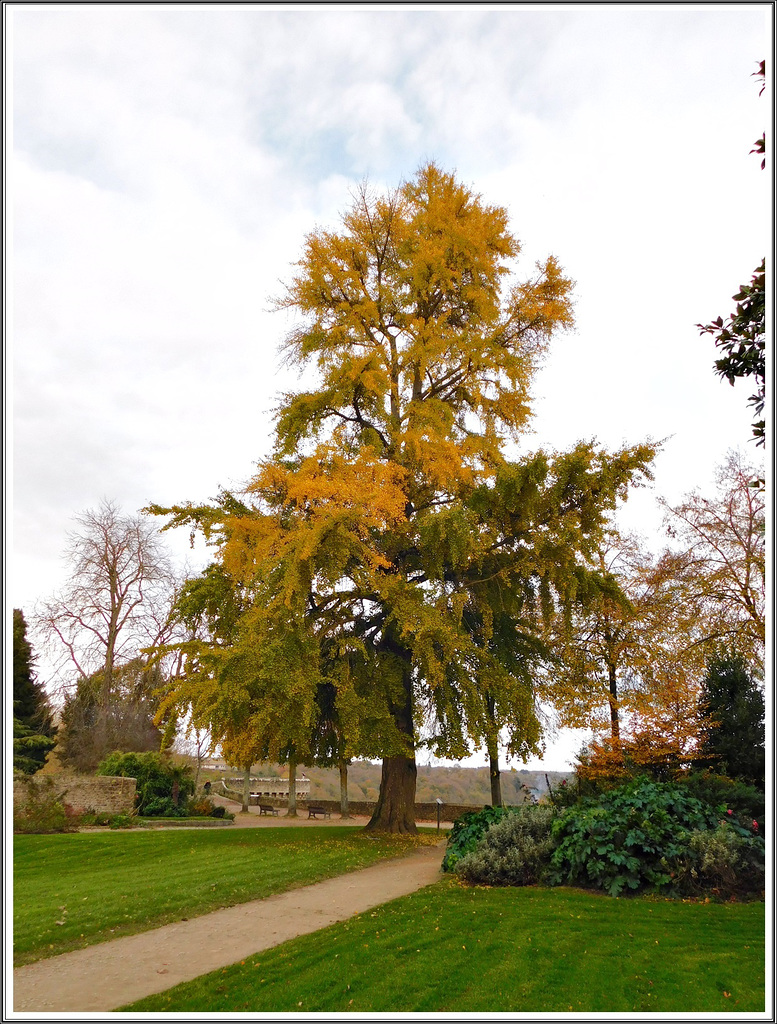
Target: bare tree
(724, 542)
(117, 598)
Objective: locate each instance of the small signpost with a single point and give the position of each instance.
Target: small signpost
(439, 805)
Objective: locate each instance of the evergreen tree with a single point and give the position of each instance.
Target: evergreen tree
(732, 712)
(33, 727)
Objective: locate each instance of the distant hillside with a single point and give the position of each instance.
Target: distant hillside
(454, 785)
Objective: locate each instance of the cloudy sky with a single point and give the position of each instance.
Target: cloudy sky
(165, 163)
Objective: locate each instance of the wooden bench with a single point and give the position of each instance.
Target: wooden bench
(313, 812)
(267, 809)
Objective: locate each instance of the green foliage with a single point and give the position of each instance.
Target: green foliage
(467, 832)
(565, 792)
(387, 557)
(162, 786)
(29, 748)
(33, 728)
(161, 807)
(122, 821)
(43, 809)
(514, 851)
(628, 839)
(742, 339)
(747, 803)
(732, 710)
(725, 861)
(105, 818)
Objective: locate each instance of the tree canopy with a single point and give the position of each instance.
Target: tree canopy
(388, 547)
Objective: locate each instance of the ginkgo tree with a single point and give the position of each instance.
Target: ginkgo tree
(387, 547)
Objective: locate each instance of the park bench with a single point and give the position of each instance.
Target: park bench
(267, 809)
(313, 812)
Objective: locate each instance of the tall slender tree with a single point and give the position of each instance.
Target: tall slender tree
(34, 731)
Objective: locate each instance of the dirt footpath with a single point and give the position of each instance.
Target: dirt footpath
(111, 974)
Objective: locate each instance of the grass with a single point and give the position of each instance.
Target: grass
(451, 949)
(77, 889)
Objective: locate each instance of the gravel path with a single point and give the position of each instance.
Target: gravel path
(112, 974)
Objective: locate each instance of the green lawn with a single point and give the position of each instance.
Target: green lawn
(451, 949)
(76, 889)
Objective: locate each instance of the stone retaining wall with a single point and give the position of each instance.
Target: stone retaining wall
(105, 794)
(423, 812)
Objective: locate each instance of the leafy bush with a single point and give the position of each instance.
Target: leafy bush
(162, 785)
(565, 793)
(725, 861)
(123, 821)
(200, 807)
(43, 809)
(514, 851)
(723, 793)
(162, 807)
(467, 832)
(631, 838)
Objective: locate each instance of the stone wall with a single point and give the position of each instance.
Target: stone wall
(423, 812)
(102, 793)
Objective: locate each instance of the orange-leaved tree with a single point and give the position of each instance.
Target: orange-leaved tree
(387, 547)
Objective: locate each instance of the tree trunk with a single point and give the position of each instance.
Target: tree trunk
(246, 788)
(492, 746)
(292, 811)
(615, 727)
(395, 810)
(344, 790)
(493, 774)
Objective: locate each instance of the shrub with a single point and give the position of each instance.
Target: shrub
(723, 793)
(514, 851)
(110, 820)
(200, 807)
(467, 832)
(631, 838)
(162, 807)
(43, 809)
(725, 861)
(565, 793)
(162, 785)
(123, 821)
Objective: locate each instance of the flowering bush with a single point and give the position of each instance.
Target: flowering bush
(747, 803)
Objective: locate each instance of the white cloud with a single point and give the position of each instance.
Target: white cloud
(168, 162)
